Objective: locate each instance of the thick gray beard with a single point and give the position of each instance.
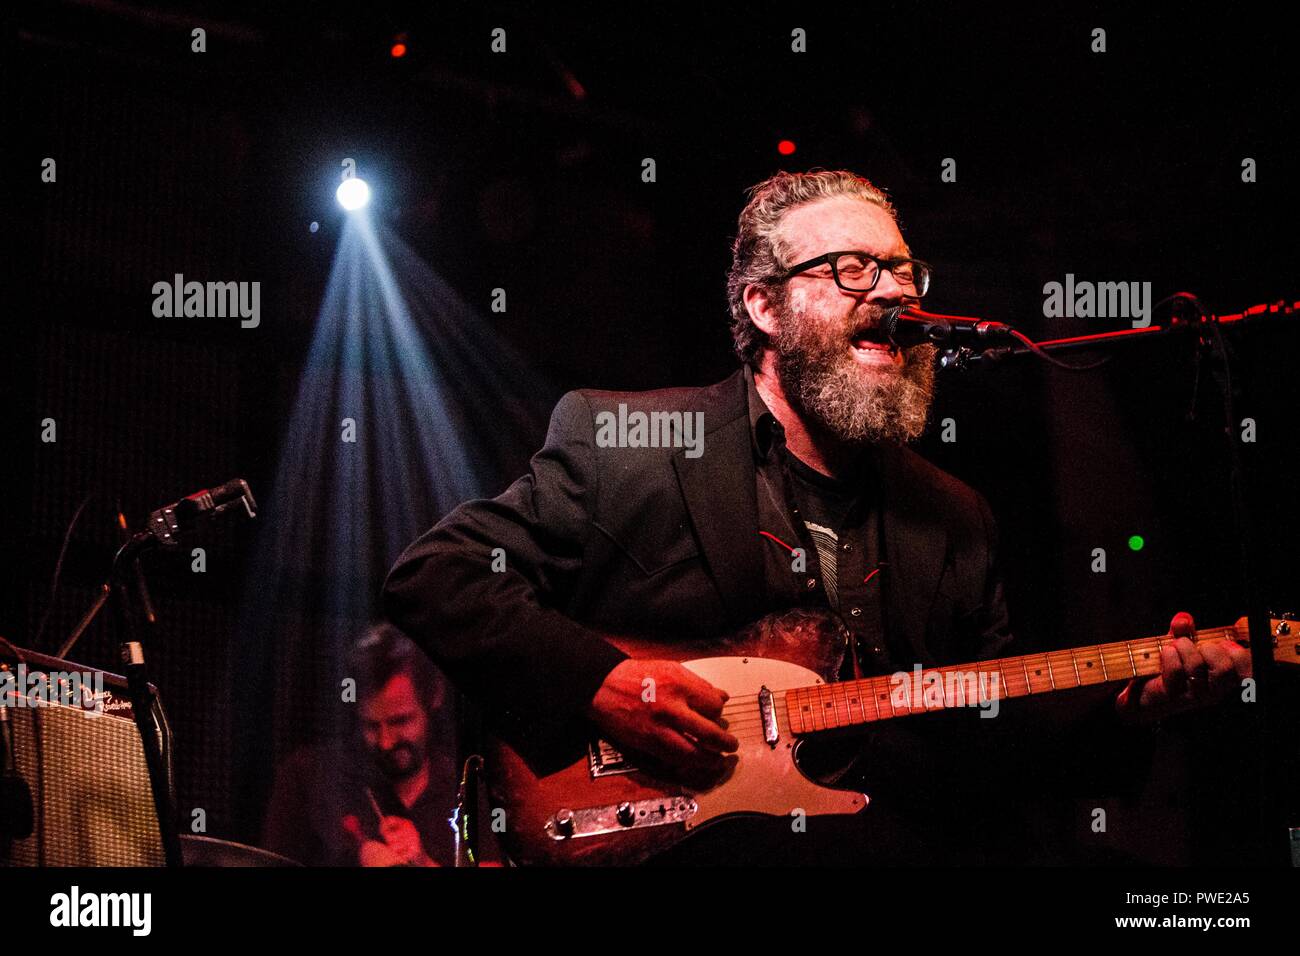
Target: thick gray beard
(850, 402)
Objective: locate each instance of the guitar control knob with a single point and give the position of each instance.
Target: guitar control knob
(564, 822)
(626, 814)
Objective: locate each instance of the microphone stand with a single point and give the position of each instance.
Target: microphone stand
(989, 352)
(1271, 822)
(166, 526)
(143, 696)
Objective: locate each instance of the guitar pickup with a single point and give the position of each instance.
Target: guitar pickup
(606, 760)
(767, 710)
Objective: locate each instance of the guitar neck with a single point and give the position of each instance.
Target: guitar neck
(868, 700)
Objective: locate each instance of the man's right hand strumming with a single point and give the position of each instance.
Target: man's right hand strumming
(661, 709)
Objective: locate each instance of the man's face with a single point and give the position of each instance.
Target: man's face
(831, 358)
(395, 728)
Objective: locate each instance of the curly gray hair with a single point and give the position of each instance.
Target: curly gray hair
(758, 252)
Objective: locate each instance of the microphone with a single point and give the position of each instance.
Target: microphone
(167, 524)
(908, 325)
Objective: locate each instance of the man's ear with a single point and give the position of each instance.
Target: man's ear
(758, 303)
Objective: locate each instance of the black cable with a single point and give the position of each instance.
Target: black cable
(1046, 356)
(58, 569)
(165, 732)
(1043, 354)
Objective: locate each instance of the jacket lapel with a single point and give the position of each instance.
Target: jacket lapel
(916, 546)
(721, 499)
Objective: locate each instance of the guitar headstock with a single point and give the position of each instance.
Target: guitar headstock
(1286, 638)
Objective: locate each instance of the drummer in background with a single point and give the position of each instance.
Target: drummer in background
(384, 796)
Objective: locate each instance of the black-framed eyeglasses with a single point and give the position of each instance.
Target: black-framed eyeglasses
(857, 271)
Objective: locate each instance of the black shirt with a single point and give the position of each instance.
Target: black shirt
(824, 544)
(319, 811)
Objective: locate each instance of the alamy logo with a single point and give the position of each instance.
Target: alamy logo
(208, 300)
(651, 430)
(74, 908)
(935, 689)
(83, 690)
(1098, 300)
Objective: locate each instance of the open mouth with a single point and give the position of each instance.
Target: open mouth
(871, 347)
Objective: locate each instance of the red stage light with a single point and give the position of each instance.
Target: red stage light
(399, 49)
(785, 147)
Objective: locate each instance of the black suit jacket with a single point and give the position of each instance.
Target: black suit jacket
(650, 541)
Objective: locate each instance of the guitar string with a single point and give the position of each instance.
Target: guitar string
(1052, 658)
(743, 725)
(739, 725)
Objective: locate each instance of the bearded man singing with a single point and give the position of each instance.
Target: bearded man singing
(803, 499)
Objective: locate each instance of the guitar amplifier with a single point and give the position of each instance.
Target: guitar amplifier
(68, 733)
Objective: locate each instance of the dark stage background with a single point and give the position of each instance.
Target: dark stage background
(523, 170)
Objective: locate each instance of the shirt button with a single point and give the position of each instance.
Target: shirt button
(811, 584)
(847, 547)
(875, 648)
(856, 611)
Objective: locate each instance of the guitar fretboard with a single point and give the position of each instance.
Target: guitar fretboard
(870, 699)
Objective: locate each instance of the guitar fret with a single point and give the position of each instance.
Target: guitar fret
(1146, 652)
(824, 705)
(857, 695)
(885, 696)
(839, 704)
(843, 693)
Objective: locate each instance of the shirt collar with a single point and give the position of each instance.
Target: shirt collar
(765, 429)
(763, 426)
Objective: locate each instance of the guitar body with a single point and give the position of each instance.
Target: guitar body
(764, 777)
(606, 809)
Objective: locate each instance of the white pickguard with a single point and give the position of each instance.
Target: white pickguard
(765, 780)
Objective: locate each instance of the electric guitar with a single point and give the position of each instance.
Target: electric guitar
(605, 809)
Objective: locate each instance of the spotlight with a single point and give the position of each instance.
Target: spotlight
(353, 194)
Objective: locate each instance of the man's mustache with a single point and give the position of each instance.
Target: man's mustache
(872, 326)
(870, 317)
